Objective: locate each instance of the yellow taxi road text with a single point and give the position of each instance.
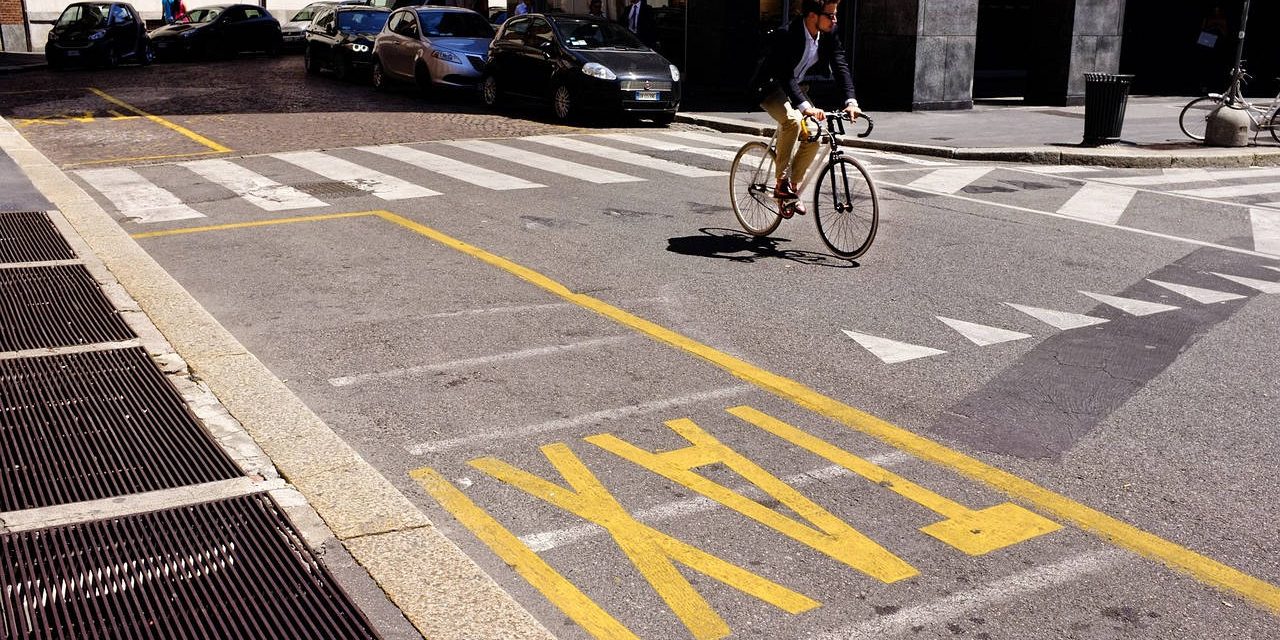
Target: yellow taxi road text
(833, 536)
(161, 121)
(653, 553)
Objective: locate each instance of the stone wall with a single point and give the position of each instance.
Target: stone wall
(916, 54)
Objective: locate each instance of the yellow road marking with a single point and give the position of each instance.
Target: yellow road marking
(555, 587)
(162, 122)
(652, 552)
(833, 536)
(139, 158)
(1122, 534)
(256, 223)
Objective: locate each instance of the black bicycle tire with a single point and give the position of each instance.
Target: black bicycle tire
(1182, 124)
(1275, 122)
(749, 199)
(872, 195)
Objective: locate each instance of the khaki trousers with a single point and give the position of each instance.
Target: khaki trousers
(791, 163)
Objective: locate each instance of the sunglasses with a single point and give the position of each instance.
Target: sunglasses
(830, 16)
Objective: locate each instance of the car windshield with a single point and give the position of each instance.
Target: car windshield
(203, 15)
(89, 16)
(308, 12)
(455, 24)
(361, 21)
(581, 33)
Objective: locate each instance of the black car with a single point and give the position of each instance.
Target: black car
(219, 31)
(341, 38)
(580, 63)
(101, 33)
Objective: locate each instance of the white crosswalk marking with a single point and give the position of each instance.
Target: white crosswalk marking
(259, 190)
(136, 197)
(661, 145)
(543, 162)
(981, 334)
(455, 169)
(1169, 176)
(1131, 306)
(1061, 169)
(721, 140)
(950, 180)
(1272, 268)
(1098, 202)
(363, 178)
(1233, 191)
(1058, 319)
(1203, 296)
(1266, 230)
(626, 157)
(906, 159)
(891, 351)
(1265, 286)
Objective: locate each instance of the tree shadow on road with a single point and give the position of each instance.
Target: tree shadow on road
(736, 246)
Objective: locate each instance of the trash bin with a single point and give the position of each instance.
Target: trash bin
(1105, 97)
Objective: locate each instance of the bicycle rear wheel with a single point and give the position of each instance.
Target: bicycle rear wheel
(1194, 118)
(751, 189)
(846, 208)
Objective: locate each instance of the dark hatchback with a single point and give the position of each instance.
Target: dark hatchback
(219, 31)
(341, 38)
(580, 63)
(98, 33)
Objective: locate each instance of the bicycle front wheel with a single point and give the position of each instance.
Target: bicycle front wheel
(1275, 122)
(751, 189)
(1195, 116)
(846, 208)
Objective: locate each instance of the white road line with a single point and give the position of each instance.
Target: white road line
(721, 140)
(950, 180)
(363, 178)
(548, 540)
(1058, 319)
(346, 381)
(905, 159)
(1266, 230)
(891, 351)
(1203, 296)
(1234, 191)
(626, 157)
(1169, 176)
(1060, 169)
(259, 190)
(981, 334)
(1103, 203)
(455, 169)
(136, 197)
(952, 607)
(1131, 306)
(579, 421)
(542, 162)
(1265, 286)
(661, 145)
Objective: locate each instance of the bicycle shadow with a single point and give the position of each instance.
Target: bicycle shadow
(737, 246)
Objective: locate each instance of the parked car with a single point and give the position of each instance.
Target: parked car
(101, 33)
(580, 63)
(294, 30)
(341, 38)
(219, 31)
(432, 46)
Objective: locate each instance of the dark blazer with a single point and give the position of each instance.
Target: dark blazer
(777, 69)
(646, 26)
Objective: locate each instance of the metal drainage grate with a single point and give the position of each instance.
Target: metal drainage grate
(232, 568)
(29, 236)
(56, 306)
(331, 189)
(85, 426)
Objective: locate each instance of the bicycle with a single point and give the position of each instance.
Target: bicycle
(1194, 118)
(845, 195)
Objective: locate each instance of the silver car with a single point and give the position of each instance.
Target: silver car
(432, 46)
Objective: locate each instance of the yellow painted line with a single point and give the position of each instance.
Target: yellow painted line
(555, 587)
(138, 158)
(257, 223)
(162, 122)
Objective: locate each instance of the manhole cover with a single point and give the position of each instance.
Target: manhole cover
(331, 189)
(55, 306)
(29, 236)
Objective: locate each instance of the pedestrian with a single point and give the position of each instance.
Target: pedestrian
(640, 21)
(522, 7)
(595, 9)
(1213, 50)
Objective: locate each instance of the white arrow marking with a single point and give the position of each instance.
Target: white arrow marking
(1098, 202)
(1265, 286)
(981, 334)
(1131, 306)
(950, 180)
(1203, 296)
(891, 351)
(1266, 230)
(1058, 319)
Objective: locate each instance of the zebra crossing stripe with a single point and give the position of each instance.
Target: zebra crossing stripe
(455, 169)
(1061, 169)
(136, 197)
(1271, 268)
(1266, 230)
(950, 180)
(721, 140)
(626, 157)
(981, 334)
(363, 178)
(1058, 319)
(1233, 191)
(1169, 176)
(891, 351)
(1203, 296)
(1099, 202)
(1265, 286)
(1131, 306)
(543, 162)
(661, 145)
(257, 189)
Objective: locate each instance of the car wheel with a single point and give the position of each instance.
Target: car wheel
(342, 68)
(422, 76)
(664, 119)
(378, 76)
(148, 53)
(112, 59)
(309, 61)
(563, 106)
(489, 93)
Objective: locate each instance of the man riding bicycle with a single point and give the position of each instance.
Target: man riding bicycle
(808, 42)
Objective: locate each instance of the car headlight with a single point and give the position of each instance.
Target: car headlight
(97, 35)
(675, 74)
(597, 70)
(447, 56)
(359, 48)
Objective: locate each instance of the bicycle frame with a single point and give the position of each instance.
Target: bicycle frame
(828, 136)
(1235, 95)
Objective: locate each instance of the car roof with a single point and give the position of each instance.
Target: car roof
(433, 9)
(359, 7)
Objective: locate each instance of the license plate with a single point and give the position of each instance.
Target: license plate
(647, 95)
(72, 54)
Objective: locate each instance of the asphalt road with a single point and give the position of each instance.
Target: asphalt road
(533, 335)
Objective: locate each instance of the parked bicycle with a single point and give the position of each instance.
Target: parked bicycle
(846, 208)
(1194, 118)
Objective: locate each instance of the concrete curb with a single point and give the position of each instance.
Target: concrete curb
(1119, 157)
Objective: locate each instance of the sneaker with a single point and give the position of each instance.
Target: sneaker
(785, 190)
(795, 207)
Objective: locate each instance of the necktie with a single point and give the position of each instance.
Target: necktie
(635, 17)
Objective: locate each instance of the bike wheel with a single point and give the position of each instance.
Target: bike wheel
(1194, 118)
(751, 189)
(846, 208)
(1275, 122)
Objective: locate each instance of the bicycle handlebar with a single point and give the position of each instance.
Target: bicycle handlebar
(835, 123)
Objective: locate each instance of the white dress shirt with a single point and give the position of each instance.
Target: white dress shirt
(807, 60)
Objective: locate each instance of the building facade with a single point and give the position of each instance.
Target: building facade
(13, 26)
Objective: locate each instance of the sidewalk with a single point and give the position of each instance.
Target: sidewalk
(1041, 135)
(15, 61)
